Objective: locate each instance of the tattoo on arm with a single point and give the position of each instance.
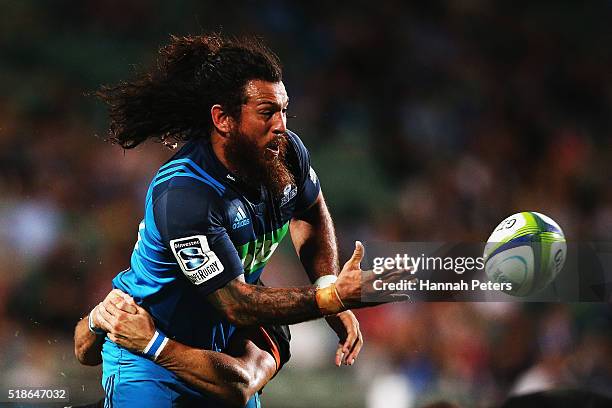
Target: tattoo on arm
(246, 305)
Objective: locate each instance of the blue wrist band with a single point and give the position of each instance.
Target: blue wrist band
(155, 346)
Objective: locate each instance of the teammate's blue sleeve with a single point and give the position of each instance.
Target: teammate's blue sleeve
(307, 181)
(192, 226)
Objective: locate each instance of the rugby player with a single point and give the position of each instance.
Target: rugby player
(217, 210)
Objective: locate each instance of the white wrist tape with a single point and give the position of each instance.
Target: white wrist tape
(95, 330)
(155, 346)
(325, 280)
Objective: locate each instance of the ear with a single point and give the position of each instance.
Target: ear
(221, 120)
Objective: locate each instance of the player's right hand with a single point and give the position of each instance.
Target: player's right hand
(352, 279)
(348, 284)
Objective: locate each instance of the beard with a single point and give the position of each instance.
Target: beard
(250, 163)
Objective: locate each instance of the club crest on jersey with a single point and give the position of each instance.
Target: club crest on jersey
(195, 258)
(241, 219)
(289, 192)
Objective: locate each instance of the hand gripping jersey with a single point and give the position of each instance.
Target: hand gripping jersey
(202, 228)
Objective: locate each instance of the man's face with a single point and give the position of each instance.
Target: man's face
(257, 145)
(264, 116)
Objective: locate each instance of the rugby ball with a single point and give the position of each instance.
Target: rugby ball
(527, 250)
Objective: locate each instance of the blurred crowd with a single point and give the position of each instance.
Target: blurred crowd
(425, 122)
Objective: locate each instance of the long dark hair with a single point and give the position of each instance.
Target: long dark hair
(172, 101)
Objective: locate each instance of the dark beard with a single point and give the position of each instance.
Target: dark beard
(248, 162)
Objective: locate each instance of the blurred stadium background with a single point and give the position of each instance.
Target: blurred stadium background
(425, 122)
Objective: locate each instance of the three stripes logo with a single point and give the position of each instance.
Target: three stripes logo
(241, 219)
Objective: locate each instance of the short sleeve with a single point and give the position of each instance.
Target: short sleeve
(306, 178)
(190, 223)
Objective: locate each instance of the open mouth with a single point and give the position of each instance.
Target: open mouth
(273, 149)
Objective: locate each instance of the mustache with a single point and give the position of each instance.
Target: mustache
(279, 140)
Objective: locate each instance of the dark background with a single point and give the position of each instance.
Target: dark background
(426, 121)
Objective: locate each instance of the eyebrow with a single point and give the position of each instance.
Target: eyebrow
(272, 103)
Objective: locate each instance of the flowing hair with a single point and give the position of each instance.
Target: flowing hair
(171, 102)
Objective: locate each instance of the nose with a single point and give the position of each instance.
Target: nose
(280, 123)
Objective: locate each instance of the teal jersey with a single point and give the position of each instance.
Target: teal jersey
(202, 228)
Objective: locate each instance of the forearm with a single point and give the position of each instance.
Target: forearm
(314, 239)
(87, 345)
(248, 305)
(232, 379)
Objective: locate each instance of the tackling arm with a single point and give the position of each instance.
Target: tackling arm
(233, 377)
(87, 345)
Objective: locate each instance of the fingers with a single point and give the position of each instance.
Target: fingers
(127, 305)
(117, 314)
(352, 346)
(120, 340)
(121, 301)
(117, 292)
(351, 338)
(111, 317)
(114, 295)
(349, 349)
(357, 256)
(339, 354)
(103, 319)
(114, 338)
(350, 359)
(140, 310)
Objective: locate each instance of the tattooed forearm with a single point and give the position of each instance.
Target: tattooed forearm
(246, 305)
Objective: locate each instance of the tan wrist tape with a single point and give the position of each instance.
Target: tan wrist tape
(328, 300)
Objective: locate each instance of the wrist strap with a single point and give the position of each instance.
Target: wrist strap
(95, 330)
(155, 346)
(329, 301)
(325, 281)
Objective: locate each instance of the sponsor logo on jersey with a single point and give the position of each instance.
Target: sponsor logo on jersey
(313, 176)
(241, 219)
(289, 192)
(195, 258)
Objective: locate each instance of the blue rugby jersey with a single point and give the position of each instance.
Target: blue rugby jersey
(201, 230)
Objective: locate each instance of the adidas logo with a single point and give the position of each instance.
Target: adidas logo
(241, 219)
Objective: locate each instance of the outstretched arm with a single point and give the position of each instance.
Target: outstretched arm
(246, 305)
